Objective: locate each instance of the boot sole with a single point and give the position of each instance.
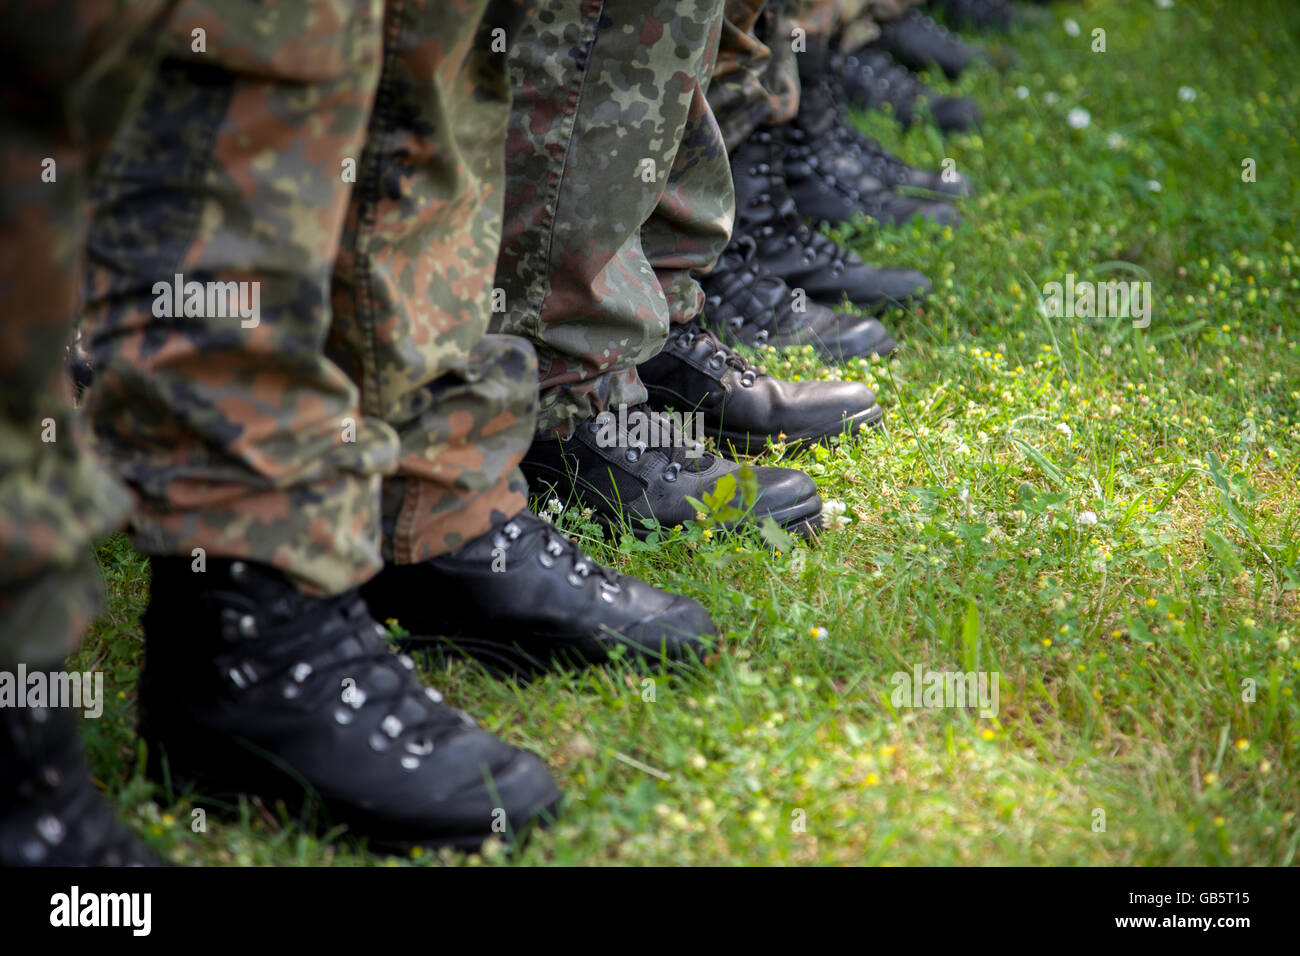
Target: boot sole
(269, 782)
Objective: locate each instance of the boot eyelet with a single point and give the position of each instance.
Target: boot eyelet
(761, 337)
(748, 378)
(577, 580)
(545, 560)
(717, 362)
(378, 743)
(301, 671)
(420, 748)
(410, 763)
(248, 626)
(51, 829)
(391, 725)
(342, 716)
(356, 698)
(433, 695)
(291, 691)
(671, 472)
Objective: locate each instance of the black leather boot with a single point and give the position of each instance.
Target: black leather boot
(745, 304)
(821, 144)
(250, 686)
(916, 41)
(829, 184)
(50, 812)
(804, 258)
(742, 407)
(523, 597)
(607, 467)
(872, 80)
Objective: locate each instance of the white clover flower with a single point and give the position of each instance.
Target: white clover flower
(1079, 118)
(833, 515)
(1022, 92)
(1071, 27)
(1064, 429)
(1154, 185)
(1164, 4)
(1050, 98)
(1115, 141)
(1087, 518)
(1186, 94)
(555, 506)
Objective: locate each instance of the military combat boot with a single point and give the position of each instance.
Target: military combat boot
(250, 686)
(50, 812)
(831, 167)
(747, 305)
(742, 407)
(637, 466)
(824, 194)
(523, 597)
(916, 41)
(786, 247)
(873, 80)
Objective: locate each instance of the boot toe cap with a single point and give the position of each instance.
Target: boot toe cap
(675, 631)
(857, 339)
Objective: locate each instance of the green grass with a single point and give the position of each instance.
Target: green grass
(1122, 646)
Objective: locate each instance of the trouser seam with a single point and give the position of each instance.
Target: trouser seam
(553, 208)
(367, 212)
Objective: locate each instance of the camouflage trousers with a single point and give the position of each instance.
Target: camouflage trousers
(756, 80)
(56, 499)
(290, 275)
(617, 187)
